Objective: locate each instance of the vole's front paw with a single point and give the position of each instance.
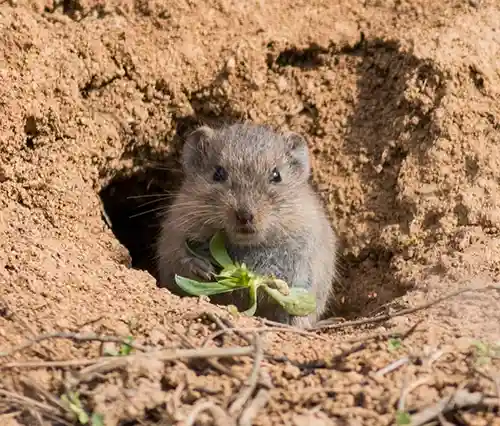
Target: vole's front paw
(199, 267)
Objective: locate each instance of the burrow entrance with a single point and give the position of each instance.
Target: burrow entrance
(135, 200)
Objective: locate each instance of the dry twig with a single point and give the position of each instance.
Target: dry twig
(257, 404)
(225, 324)
(221, 418)
(392, 366)
(175, 400)
(105, 364)
(47, 395)
(262, 330)
(461, 399)
(245, 394)
(52, 364)
(212, 362)
(407, 389)
(28, 402)
(71, 336)
(403, 312)
(382, 335)
(34, 407)
(237, 408)
(110, 364)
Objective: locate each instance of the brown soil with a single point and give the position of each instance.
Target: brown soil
(400, 101)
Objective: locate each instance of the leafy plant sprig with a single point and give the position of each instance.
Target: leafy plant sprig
(124, 349)
(73, 403)
(235, 276)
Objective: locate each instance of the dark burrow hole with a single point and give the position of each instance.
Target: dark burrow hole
(310, 57)
(74, 9)
(134, 201)
(31, 131)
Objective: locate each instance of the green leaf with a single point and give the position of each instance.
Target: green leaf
(233, 310)
(481, 348)
(298, 303)
(403, 418)
(72, 400)
(231, 282)
(219, 252)
(394, 344)
(250, 312)
(231, 271)
(197, 288)
(97, 419)
(126, 349)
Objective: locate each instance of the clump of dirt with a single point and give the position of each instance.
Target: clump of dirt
(400, 105)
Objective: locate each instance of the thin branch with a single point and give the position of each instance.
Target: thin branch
(407, 389)
(71, 336)
(29, 402)
(392, 366)
(225, 324)
(257, 404)
(52, 364)
(245, 394)
(262, 330)
(461, 399)
(220, 417)
(47, 395)
(174, 401)
(111, 364)
(382, 335)
(212, 362)
(271, 323)
(403, 312)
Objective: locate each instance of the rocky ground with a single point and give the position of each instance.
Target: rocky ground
(400, 102)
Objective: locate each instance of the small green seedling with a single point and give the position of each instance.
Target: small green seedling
(403, 418)
(97, 420)
(125, 349)
(484, 352)
(234, 276)
(394, 344)
(72, 401)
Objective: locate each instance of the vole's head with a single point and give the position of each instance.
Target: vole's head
(246, 180)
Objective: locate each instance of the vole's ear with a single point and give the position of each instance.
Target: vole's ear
(298, 153)
(195, 147)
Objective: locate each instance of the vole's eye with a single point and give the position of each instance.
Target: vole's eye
(275, 176)
(220, 174)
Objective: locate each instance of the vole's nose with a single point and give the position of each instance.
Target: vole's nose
(244, 216)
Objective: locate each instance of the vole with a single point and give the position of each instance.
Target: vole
(252, 183)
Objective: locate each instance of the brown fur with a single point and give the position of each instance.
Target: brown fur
(291, 237)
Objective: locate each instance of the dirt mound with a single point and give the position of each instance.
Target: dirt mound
(400, 104)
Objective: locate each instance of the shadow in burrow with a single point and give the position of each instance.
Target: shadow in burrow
(386, 126)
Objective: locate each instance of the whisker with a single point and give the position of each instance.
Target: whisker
(148, 211)
(150, 202)
(162, 166)
(189, 221)
(148, 195)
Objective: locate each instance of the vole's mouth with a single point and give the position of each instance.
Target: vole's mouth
(245, 235)
(245, 230)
